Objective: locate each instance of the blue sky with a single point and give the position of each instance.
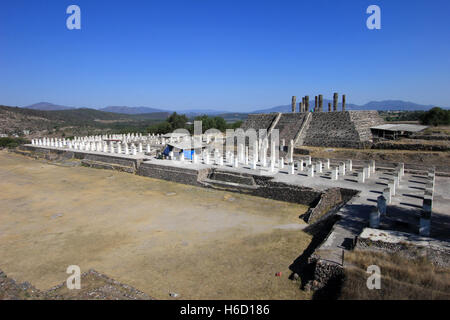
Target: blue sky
(222, 54)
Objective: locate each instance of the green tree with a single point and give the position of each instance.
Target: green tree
(436, 116)
(177, 121)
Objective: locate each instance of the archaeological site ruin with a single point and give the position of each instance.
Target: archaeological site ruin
(373, 206)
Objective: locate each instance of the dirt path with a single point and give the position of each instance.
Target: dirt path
(157, 236)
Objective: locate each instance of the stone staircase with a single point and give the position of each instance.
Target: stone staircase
(363, 121)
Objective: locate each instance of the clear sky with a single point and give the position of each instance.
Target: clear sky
(223, 54)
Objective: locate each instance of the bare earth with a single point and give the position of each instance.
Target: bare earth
(156, 236)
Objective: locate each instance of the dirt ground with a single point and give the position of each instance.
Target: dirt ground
(156, 236)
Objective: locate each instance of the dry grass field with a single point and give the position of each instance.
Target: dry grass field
(401, 279)
(156, 236)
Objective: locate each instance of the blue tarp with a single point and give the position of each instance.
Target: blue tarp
(188, 154)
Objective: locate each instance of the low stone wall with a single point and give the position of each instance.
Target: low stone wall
(174, 174)
(410, 146)
(331, 199)
(405, 244)
(87, 159)
(326, 273)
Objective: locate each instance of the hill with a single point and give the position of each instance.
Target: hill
(14, 120)
(47, 106)
(131, 110)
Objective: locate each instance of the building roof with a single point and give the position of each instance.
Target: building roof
(186, 145)
(400, 127)
(175, 135)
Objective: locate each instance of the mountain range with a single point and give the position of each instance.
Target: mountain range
(384, 105)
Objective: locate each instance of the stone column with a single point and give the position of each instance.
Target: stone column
(291, 168)
(342, 169)
(362, 176)
(246, 155)
(291, 151)
(425, 217)
(315, 104)
(311, 170)
(307, 103)
(319, 167)
(387, 195)
(334, 174)
(350, 165)
(294, 99)
(140, 147)
(372, 165)
(374, 218)
(327, 164)
(281, 163)
(148, 148)
(367, 170)
(329, 106)
(343, 102)
(335, 101)
(300, 165)
(381, 204)
(391, 184)
(320, 103)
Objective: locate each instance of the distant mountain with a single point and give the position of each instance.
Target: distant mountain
(131, 110)
(47, 106)
(397, 105)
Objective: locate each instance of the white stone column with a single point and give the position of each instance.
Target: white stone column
(327, 164)
(372, 165)
(391, 184)
(281, 166)
(246, 155)
(362, 176)
(140, 147)
(387, 195)
(334, 173)
(300, 165)
(319, 167)
(342, 169)
(291, 168)
(349, 165)
(311, 170)
(291, 151)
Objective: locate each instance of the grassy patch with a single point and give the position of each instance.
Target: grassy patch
(401, 278)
